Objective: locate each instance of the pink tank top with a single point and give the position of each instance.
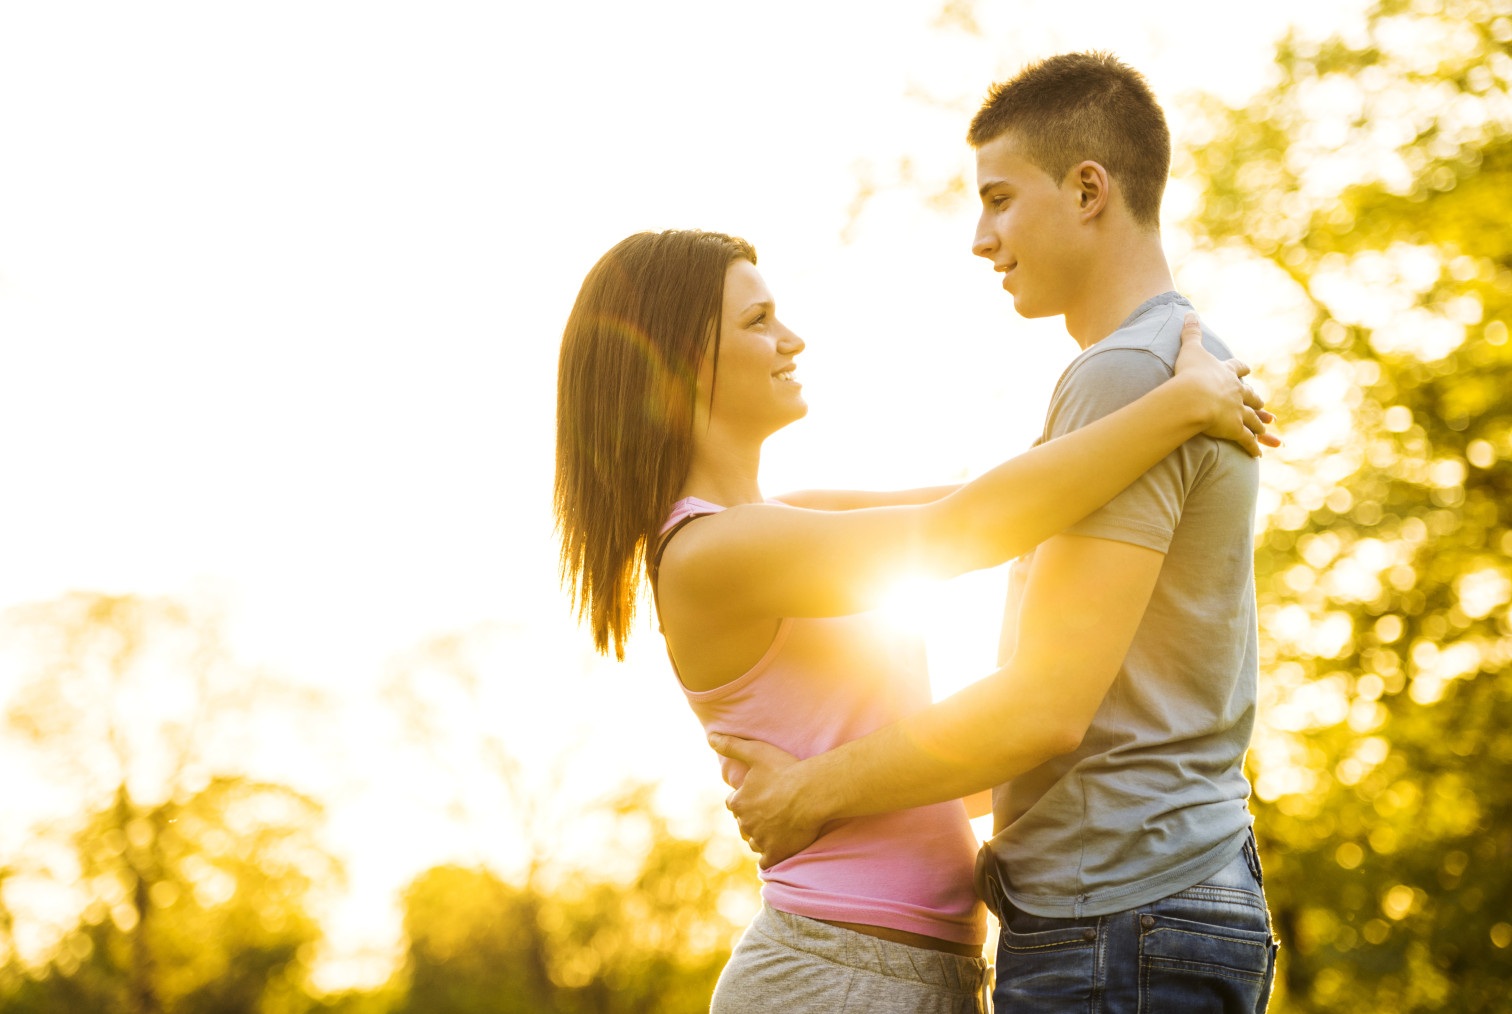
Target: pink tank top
(823, 682)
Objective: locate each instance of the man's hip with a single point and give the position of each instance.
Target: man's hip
(1206, 948)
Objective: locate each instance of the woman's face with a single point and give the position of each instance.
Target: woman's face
(755, 391)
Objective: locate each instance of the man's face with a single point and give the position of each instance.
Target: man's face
(1030, 229)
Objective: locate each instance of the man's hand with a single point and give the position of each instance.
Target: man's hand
(764, 801)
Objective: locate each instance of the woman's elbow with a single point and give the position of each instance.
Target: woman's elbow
(1064, 737)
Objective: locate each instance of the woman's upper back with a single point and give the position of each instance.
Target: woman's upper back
(710, 639)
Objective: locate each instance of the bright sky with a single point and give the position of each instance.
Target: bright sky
(281, 287)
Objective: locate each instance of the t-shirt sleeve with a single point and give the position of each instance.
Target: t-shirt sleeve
(1146, 513)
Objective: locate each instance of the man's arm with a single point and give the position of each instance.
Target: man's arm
(1082, 605)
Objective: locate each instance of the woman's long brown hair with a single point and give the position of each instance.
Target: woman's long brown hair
(643, 321)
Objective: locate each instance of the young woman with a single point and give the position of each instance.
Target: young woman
(674, 370)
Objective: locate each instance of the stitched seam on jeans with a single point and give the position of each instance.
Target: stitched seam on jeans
(1229, 895)
(1058, 945)
(1099, 967)
(1226, 971)
(1227, 938)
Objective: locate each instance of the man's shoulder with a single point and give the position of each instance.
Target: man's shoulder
(1154, 327)
(1118, 369)
(1146, 344)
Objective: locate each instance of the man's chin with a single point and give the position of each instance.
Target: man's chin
(1028, 307)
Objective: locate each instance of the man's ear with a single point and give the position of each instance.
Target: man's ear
(1092, 187)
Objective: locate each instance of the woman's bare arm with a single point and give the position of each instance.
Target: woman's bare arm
(768, 560)
(860, 499)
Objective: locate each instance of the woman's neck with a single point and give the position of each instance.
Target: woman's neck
(724, 474)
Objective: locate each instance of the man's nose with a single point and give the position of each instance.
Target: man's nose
(985, 243)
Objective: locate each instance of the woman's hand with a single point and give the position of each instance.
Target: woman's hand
(1235, 411)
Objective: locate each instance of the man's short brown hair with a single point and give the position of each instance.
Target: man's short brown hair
(1079, 107)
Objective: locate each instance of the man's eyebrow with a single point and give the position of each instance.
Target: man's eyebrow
(982, 190)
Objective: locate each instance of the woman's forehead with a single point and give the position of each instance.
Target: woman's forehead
(744, 287)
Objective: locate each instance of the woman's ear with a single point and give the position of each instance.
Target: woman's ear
(1092, 188)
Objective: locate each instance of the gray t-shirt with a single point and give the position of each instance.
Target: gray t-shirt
(1155, 799)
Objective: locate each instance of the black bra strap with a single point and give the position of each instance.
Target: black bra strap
(653, 562)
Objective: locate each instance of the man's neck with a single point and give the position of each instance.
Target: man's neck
(1117, 282)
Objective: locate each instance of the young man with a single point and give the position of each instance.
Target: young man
(1123, 867)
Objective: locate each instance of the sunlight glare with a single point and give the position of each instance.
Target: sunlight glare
(911, 601)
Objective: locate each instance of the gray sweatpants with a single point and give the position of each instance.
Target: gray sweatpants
(795, 965)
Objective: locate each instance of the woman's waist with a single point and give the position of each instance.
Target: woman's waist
(898, 936)
(911, 888)
(950, 919)
(917, 845)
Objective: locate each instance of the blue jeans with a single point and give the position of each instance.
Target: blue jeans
(1208, 948)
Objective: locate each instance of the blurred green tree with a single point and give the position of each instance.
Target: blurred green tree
(1375, 178)
(576, 941)
(180, 885)
(643, 920)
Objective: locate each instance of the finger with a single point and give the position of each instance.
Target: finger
(1252, 397)
(1252, 433)
(750, 752)
(1251, 445)
(732, 747)
(1265, 416)
(771, 858)
(1191, 329)
(1239, 366)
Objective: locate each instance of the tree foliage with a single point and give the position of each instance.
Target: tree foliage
(576, 941)
(183, 884)
(1376, 176)
(187, 883)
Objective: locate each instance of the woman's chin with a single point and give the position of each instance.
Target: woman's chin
(799, 411)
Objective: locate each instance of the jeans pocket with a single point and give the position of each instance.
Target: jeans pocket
(1044, 963)
(1188, 965)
